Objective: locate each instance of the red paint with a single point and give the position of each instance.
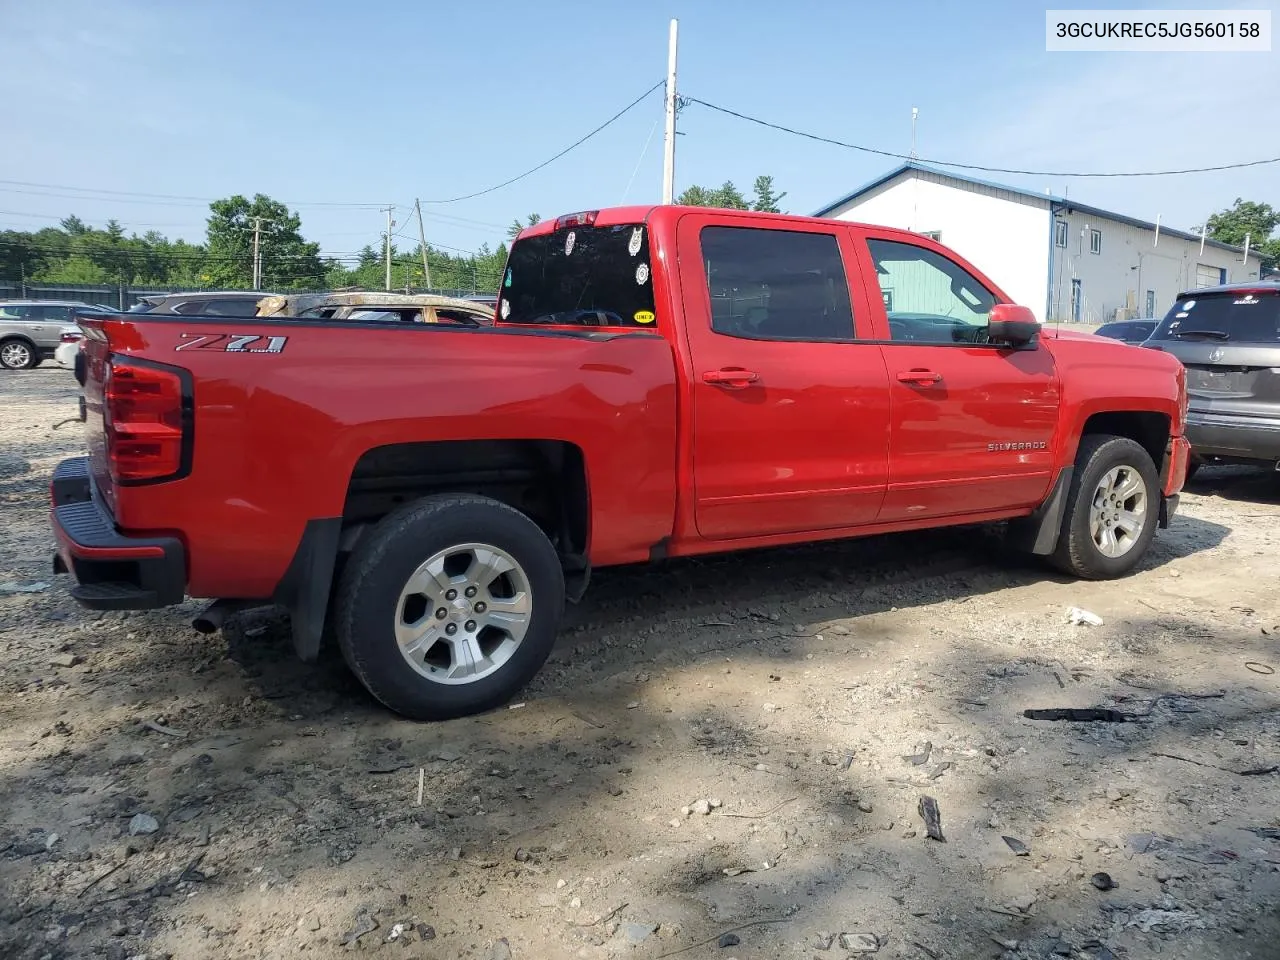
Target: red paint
(705, 441)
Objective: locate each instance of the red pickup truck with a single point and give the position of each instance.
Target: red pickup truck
(661, 382)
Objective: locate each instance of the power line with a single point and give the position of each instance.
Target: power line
(974, 166)
(545, 163)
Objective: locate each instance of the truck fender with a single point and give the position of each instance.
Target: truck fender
(305, 588)
(1038, 533)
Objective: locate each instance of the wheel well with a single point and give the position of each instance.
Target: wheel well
(1148, 429)
(544, 479)
(19, 336)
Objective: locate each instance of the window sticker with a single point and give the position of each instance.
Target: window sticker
(637, 237)
(644, 316)
(568, 243)
(506, 309)
(642, 274)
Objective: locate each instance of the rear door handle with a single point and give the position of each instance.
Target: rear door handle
(731, 378)
(919, 376)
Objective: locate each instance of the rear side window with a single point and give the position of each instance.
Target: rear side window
(230, 308)
(584, 275)
(776, 284)
(1236, 317)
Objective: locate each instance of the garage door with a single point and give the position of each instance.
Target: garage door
(1207, 276)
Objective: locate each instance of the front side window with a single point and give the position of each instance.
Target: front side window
(582, 275)
(928, 297)
(776, 284)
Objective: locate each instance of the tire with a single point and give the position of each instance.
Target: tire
(18, 354)
(1127, 469)
(386, 597)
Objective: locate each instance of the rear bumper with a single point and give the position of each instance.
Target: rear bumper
(1234, 438)
(112, 571)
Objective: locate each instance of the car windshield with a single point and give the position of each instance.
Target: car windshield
(1240, 317)
(587, 275)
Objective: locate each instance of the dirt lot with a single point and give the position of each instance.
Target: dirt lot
(812, 696)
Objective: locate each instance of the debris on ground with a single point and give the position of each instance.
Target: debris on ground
(1019, 848)
(1081, 618)
(1078, 715)
(143, 824)
(932, 816)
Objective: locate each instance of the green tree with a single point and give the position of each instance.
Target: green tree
(75, 269)
(726, 196)
(287, 259)
(1248, 218)
(766, 200)
(513, 231)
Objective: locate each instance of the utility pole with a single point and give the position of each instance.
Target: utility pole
(422, 244)
(390, 223)
(257, 254)
(669, 156)
(915, 112)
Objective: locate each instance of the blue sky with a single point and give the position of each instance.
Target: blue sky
(329, 103)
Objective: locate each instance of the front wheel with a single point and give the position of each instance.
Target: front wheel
(18, 355)
(450, 606)
(1112, 509)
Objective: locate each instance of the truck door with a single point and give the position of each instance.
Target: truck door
(790, 413)
(972, 423)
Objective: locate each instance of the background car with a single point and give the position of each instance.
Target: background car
(1130, 331)
(31, 330)
(215, 303)
(1228, 339)
(377, 307)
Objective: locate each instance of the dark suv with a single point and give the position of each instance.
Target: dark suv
(1228, 338)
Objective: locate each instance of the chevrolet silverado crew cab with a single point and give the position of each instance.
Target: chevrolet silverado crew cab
(660, 382)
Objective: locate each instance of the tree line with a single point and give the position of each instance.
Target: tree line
(76, 253)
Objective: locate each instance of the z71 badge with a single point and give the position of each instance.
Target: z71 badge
(232, 343)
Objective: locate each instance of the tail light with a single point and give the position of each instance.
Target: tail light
(72, 337)
(147, 417)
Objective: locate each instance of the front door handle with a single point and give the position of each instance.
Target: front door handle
(731, 378)
(919, 376)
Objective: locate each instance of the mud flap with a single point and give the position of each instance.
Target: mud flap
(1038, 533)
(305, 587)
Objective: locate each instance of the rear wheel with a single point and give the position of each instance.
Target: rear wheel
(18, 355)
(1112, 509)
(450, 606)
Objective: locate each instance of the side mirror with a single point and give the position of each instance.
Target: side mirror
(1012, 324)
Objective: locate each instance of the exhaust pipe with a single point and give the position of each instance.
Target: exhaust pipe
(210, 620)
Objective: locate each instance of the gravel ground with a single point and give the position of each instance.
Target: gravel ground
(732, 751)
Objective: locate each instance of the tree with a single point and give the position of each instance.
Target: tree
(1248, 218)
(726, 196)
(729, 197)
(513, 231)
(287, 259)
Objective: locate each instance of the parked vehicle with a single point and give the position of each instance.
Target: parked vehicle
(209, 303)
(31, 330)
(1129, 331)
(64, 355)
(1228, 338)
(663, 382)
(376, 307)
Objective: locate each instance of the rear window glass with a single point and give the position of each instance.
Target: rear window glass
(1237, 317)
(586, 275)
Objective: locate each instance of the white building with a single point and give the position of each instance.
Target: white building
(1063, 259)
